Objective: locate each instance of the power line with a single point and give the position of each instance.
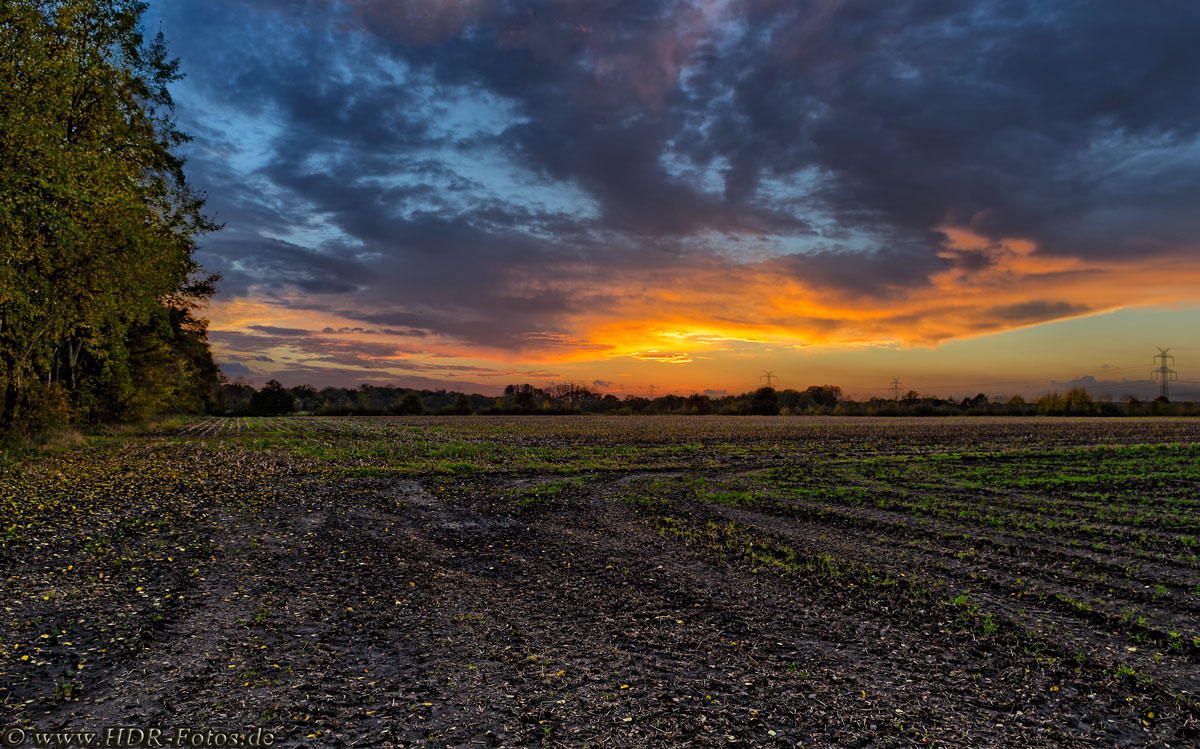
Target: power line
(1163, 373)
(1031, 381)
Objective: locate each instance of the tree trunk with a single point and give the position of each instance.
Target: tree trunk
(10, 406)
(73, 351)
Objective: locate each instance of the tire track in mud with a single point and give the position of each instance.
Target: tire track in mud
(1136, 574)
(389, 612)
(1008, 568)
(977, 500)
(993, 582)
(949, 664)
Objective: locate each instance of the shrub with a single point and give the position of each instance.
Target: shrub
(42, 409)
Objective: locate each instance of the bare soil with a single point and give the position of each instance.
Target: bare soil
(198, 578)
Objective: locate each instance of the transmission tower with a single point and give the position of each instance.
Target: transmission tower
(895, 388)
(768, 376)
(1162, 372)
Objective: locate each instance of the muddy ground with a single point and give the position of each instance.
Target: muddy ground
(224, 575)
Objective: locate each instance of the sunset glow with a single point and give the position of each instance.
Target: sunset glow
(679, 195)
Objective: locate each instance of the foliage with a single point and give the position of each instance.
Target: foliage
(410, 405)
(234, 399)
(273, 400)
(97, 222)
(462, 404)
(47, 409)
(764, 402)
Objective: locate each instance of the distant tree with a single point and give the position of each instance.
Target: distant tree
(232, 397)
(410, 405)
(635, 404)
(525, 400)
(1051, 404)
(1162, 406)
(272, 400)
(462, 404)
(1077, 402)
(764, 402)
(571, 392)
(825, 396)
(977, 405)
(699, 404)
(362, 400)
(307, 396)
(791, 399)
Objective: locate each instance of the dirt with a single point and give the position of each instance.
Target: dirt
(384, 611)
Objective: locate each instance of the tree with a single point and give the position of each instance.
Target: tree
(1051, 404)
(410, 405)
(462, 404)
(1078, 402)
(826, 396)
(272, 400)
(764, 402)
(701, 404)
(307, 396)
(97, 222)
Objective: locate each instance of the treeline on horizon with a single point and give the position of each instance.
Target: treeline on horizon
(99, 290)
(240, 398)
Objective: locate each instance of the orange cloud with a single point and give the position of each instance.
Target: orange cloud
(725, 309)
(988, 286)
(665, 358)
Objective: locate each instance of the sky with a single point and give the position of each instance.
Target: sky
(677, 196)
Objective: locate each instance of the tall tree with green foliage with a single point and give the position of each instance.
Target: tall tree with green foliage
(97, 221)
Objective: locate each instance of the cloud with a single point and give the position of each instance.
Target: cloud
(571, 181)
(350, 377)
(233, 369)
(1037, 310)
(271, 330)
(663, 357)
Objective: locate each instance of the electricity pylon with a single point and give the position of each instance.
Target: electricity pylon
(895, 388)
(768, 376)
(1163, 373)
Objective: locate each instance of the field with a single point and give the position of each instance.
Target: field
(626, 581)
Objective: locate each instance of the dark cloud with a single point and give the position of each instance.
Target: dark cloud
(233, 369)
(272, 330)
(316, 348)
(491, 171)
(1037, 310)
(350, 377)
(411, 333)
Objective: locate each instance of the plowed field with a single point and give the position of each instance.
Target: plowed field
(627, 581)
